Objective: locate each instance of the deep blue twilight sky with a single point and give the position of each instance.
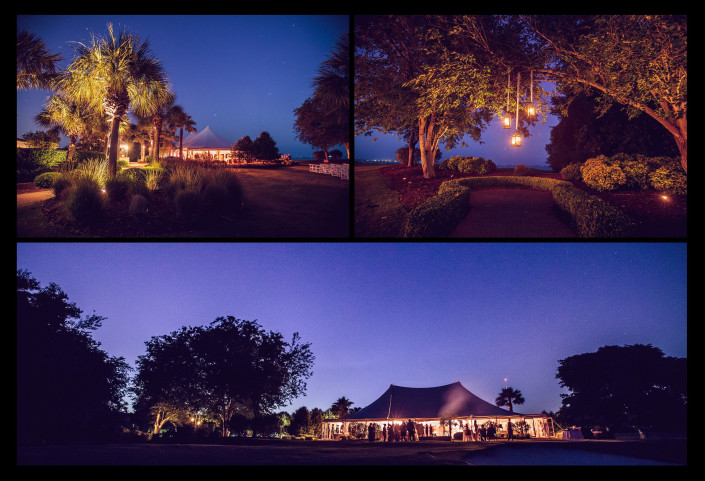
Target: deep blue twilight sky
(495, 145)
(239, 74)
(410, 314)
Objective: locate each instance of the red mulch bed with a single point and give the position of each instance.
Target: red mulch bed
(653, 216)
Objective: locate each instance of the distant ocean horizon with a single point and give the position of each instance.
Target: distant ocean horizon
(500, 166)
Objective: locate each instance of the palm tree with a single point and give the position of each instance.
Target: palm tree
(332, 88)
(177, 118)
(115, 74)
(508, 397)
(159, 112)
(36, 67)
(71, 120)
(341, 406)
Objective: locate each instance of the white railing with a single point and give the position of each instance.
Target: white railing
(337, 170)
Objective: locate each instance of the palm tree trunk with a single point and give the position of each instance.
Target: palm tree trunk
(181, 143)
(112, 158)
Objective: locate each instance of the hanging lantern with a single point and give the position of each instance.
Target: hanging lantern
(516, 136)
(506, 120)
(506, 117)
(530, 107)
(530, 110)
(516, 139)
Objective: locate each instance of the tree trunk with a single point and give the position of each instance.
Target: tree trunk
(72, 149)
(114, 138)
(426, 147)
(181, 143)
(157, 138)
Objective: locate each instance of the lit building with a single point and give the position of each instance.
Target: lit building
(207, 145)
(435, 412)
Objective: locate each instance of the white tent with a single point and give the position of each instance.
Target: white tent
(207, 143)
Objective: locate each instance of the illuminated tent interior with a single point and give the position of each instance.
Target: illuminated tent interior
(428, 406)
(207, 143)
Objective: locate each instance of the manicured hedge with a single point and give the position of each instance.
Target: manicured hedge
(439, 215)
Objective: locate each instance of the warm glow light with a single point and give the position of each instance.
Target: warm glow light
(531, 111)
(516, 139)
(664, 197)
(507, 121)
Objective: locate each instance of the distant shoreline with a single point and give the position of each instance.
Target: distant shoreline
(503, 166)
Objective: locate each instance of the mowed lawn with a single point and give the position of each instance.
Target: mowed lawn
(352, 453)
(286, 202)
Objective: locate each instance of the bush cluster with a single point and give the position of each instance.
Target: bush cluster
(468, 165)
(438, 216)
(634, 172)
(85, 201)
(203, 194)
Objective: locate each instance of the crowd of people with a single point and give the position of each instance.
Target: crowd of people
(410, 431)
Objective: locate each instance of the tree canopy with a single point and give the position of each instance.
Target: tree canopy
(231, 369)
(67, 387)
(623, 387)
(448, 74)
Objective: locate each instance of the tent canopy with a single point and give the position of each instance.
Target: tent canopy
(207, 139)
(451, 400)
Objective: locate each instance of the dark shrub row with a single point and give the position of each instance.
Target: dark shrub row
(438, 216)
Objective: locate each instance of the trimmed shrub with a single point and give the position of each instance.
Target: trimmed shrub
(46, 180)
(521, 170)
(85, 201)
(571, 172)
(601, 174)
(593, 217)
(438, 216)
(670, 179)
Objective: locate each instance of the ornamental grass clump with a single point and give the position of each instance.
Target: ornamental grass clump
(85, 201)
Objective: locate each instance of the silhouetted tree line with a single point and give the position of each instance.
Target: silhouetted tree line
(68, 389)
(625, 388)
(583, 133)
(227, 378)
(216, 380)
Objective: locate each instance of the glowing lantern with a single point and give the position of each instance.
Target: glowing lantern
(516, 139)
(506, 120)
(530, 110)
(530, 107)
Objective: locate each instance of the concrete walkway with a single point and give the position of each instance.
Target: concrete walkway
(29, 198)
(511, 213)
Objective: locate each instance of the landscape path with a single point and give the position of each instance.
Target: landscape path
(28, 198)
(513, 213)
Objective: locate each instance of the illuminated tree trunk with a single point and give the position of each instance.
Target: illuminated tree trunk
(114, 138)
(426, 144)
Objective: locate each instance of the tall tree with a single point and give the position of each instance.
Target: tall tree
(625, 386)
(114, 74)
(36, 67)
(388, 53)
(332, 88)
(509, 397)
(341, 407)
(231, 368)
(265, 147)
(67, 387)
(71, 119)
(638, 61)
(313, 126)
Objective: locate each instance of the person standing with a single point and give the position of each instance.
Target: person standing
(510, 430)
